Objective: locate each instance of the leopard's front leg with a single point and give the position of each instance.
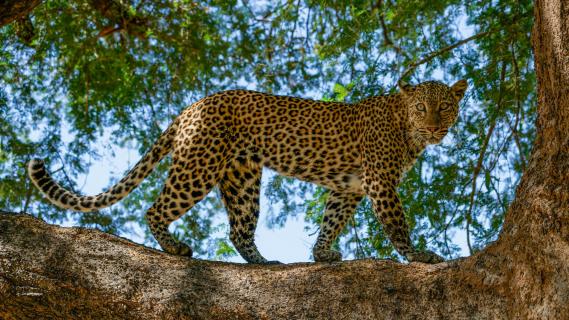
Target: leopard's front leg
(339, 208)
(387, 208)
(380, 185)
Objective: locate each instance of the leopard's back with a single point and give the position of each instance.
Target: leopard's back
(315, 141)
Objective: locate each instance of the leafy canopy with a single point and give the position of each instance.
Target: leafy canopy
(78, 72)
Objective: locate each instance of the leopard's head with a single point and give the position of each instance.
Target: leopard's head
(432, 108)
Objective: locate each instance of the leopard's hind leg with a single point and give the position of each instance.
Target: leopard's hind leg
(240, 191)
(191, 177)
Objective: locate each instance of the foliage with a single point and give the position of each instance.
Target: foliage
(89, 73)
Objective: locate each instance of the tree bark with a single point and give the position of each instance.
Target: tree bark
(57, 272)
(53, 272)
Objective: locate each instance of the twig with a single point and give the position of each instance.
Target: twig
(475, 174)
(447, 225)
(263, 19)
(69, 181)
(379, 5)
(86, 88)
(293, 31)
(500, 200)
(307, 26)
(478, 166)
(360, 254)
(29, 190)
(519, 107)
(108, 30)
(501, 149)
(437, 53)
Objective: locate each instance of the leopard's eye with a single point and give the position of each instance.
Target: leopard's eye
(444, 106)
(421, 107)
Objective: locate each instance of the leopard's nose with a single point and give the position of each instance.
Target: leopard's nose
(432, 129)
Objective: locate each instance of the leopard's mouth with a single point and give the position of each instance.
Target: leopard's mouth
(425, 136)
(434, 140)
(433, 137)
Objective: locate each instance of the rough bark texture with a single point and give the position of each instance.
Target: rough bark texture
(536, 231)
(81, 273)
(54, 272)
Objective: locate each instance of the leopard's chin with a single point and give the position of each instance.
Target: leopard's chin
(434, 140)
(431, 139)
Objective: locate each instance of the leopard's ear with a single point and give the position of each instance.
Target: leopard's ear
(458, 89)
(404, 87)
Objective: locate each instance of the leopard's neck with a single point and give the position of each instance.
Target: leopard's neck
(414, 145)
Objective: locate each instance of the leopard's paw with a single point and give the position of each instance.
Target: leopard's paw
(179, 249)
(321, 255)
(425, 257)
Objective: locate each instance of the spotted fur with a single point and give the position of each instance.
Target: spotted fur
(226, 139)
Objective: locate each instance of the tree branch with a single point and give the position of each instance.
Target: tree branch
(514, 128)
(379, 5)
(75, 273)
(11, 10)
(478, 167)
(360, 254)
(437, 53)
(120, 17)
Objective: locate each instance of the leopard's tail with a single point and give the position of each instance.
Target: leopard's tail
(66, 199)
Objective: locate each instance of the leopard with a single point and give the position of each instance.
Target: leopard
(225, 140)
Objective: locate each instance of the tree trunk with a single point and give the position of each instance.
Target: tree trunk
(53, 272)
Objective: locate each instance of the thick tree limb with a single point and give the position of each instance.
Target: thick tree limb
(49, 271)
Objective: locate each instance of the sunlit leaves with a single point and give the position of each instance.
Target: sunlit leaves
(87, 74)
